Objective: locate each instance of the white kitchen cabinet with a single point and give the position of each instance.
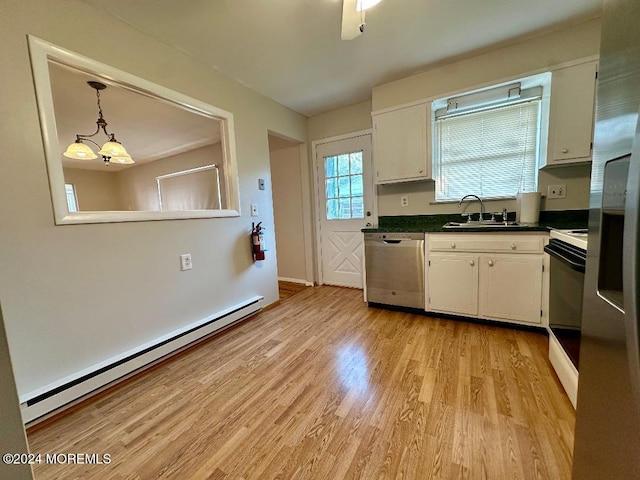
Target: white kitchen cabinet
(571, 114)
(486, 275)
(510, 287)
(453, 281)
(402, 144)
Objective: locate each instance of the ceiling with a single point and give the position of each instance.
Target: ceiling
(291, 51)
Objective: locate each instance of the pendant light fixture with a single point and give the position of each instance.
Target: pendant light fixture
(111, 151)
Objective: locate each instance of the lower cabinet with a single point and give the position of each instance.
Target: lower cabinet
(510, 287)
(453, 283)
(494, 284)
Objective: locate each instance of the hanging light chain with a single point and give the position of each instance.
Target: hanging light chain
(99, 106)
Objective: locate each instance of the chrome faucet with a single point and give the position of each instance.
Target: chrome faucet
(481, 206)
(504, 215)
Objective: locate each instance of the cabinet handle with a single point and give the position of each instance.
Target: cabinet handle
(453, 245)
(472, 263)
(490, 262)
(513, 246)
(565, 150)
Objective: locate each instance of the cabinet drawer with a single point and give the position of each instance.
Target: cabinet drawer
(479, 242)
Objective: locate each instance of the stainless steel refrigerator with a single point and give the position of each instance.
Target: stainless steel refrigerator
(607, 437)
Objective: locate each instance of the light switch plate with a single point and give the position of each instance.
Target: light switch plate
(254, 209)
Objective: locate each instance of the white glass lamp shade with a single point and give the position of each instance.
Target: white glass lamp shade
(113, 149)
(122, 159)
(79, 151)
(366, 4)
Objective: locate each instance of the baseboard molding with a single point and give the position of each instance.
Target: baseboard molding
(295, 280)
(52, 398)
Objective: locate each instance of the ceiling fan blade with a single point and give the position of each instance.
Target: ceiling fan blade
(351, 20)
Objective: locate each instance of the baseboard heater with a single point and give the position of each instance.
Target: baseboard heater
(51, 399)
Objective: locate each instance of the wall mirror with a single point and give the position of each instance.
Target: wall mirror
(120, 148)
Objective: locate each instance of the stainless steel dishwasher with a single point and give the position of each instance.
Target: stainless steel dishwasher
(394, 264)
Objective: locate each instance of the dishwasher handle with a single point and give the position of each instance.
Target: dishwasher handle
(392, 242)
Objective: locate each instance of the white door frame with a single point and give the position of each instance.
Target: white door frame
(316, 193)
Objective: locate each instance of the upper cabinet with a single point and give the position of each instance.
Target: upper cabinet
(402, 144)
(571, 117)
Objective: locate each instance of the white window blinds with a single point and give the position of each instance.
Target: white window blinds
(491, 152)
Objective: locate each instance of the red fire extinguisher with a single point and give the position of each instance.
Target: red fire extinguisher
(258, 241)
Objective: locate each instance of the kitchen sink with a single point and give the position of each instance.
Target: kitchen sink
(477, 225)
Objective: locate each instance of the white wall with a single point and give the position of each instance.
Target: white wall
(95, 190)
(286, 178)
(352, 118)
(76, 295)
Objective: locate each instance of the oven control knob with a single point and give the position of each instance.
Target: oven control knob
(490, 262)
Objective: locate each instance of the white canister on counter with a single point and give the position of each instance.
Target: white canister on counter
(528, 208)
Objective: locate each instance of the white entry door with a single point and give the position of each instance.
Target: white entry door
(345, 200)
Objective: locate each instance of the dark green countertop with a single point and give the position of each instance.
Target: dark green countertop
(560, 219)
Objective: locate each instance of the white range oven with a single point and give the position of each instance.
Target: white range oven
(567, 251)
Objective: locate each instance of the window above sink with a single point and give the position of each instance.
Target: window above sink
(490, 140)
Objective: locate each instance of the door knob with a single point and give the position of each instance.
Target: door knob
(472, 263)
(453, 245)
(513, 246)
(490, 262)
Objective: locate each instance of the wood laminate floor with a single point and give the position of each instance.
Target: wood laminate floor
(288, 289)
(323, 387)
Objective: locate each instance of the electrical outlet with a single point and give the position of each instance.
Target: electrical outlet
(557, 191)
(185, 262)
(404, 201)
(254, 209)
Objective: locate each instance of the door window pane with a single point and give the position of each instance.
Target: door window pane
(344, 186)
(345, 208)
(357, 207)
(356, 185)
(356, 163)
(330, 169)
(332, 209)
(332, 187)
(343, 165)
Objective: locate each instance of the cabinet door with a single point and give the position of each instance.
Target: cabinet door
(510, 287)
(572, 109)
(452, 283)
(401, 144)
